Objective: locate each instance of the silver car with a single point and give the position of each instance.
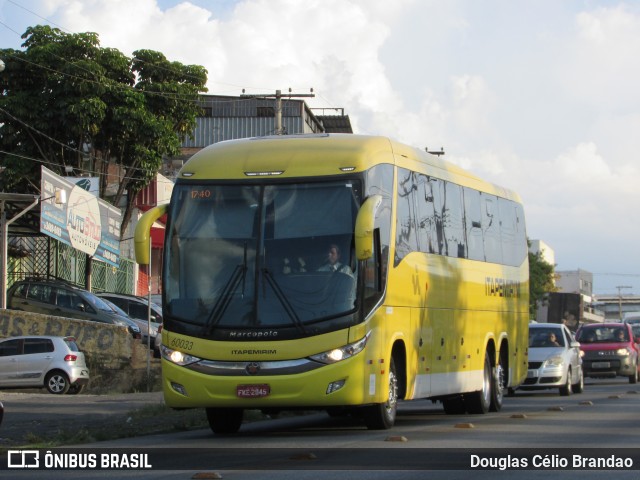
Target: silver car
(555, 360)
(36, 361)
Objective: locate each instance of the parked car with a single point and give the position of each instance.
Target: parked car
(134, 306)
(137, 308)
(51, 297)
(610, 350)
(554, 359)
(55, 363)
(142, 326)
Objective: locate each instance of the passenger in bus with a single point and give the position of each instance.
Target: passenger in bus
(333, 263)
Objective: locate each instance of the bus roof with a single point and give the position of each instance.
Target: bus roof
(295, 156)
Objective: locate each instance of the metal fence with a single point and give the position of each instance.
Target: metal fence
(46, 257)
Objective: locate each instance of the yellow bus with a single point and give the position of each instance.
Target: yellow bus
(338, 272)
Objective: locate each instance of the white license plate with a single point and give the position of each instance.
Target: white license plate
(600, 365)
(253, 391)
(532, 374)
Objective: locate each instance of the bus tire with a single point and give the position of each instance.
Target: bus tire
(454, 405)
(499, 384)
(382, 416)
(225, 420)
(480, 401)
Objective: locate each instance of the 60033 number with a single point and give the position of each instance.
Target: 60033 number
(181, 344)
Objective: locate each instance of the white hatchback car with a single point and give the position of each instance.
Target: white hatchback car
(55, 363)
(555, 360)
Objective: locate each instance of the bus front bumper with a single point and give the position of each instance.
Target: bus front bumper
(340, 384)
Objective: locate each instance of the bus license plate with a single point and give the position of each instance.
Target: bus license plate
(253, 391)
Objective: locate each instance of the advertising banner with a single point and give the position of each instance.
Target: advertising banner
(85, 222)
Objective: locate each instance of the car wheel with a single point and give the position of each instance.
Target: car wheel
(479, 402)
(567, 389)
(382, 416)
(634, 378)
(57, 382)
(225, 420)
(579, 387)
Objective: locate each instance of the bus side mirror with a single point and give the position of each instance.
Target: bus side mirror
(364, 227)
(142, 235)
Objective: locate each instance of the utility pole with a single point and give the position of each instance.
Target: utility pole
(620, 287)
(278, 109)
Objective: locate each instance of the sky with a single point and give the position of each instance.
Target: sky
(540, 96)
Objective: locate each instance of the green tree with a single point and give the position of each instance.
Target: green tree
(64, 99)
(541, 281)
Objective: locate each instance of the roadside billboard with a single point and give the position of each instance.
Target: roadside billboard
(85, 222)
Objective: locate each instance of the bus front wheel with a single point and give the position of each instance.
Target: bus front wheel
(225, 420)
(382, 416)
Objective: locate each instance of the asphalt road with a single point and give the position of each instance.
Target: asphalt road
(30, 415)
(423, 444)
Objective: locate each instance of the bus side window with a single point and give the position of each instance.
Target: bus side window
(452, 219)
(473, 224)
(491, 227)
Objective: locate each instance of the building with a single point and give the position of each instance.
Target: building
(616, 305)
(573, 302)
(547, 253)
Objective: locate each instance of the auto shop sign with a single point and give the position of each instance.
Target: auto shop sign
(85, 222)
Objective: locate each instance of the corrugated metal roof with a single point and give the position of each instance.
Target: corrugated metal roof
(336, 123)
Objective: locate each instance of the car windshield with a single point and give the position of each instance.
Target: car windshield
(115, 308)
(603, 334)
(545, 337)
(258, 256)
(97, 303)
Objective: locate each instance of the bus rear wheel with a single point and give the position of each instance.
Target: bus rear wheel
(480, 401)
(499, 384)
(382, 416)
(225, 420)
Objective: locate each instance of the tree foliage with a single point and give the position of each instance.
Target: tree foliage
(541, 281)
(65, 100)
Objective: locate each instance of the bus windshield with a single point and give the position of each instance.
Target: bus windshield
(261, 256)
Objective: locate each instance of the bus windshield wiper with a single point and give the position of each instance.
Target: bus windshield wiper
(239, 274)
(283, 299)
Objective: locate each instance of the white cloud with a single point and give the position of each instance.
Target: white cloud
(604, 70)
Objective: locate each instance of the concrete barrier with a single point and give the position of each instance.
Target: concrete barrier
(117, 361)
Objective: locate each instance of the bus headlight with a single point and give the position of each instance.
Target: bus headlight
(342, 353)
(177, 357)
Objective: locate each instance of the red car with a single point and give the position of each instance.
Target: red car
(609, 350)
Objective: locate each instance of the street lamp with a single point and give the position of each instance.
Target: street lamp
(620, 287)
